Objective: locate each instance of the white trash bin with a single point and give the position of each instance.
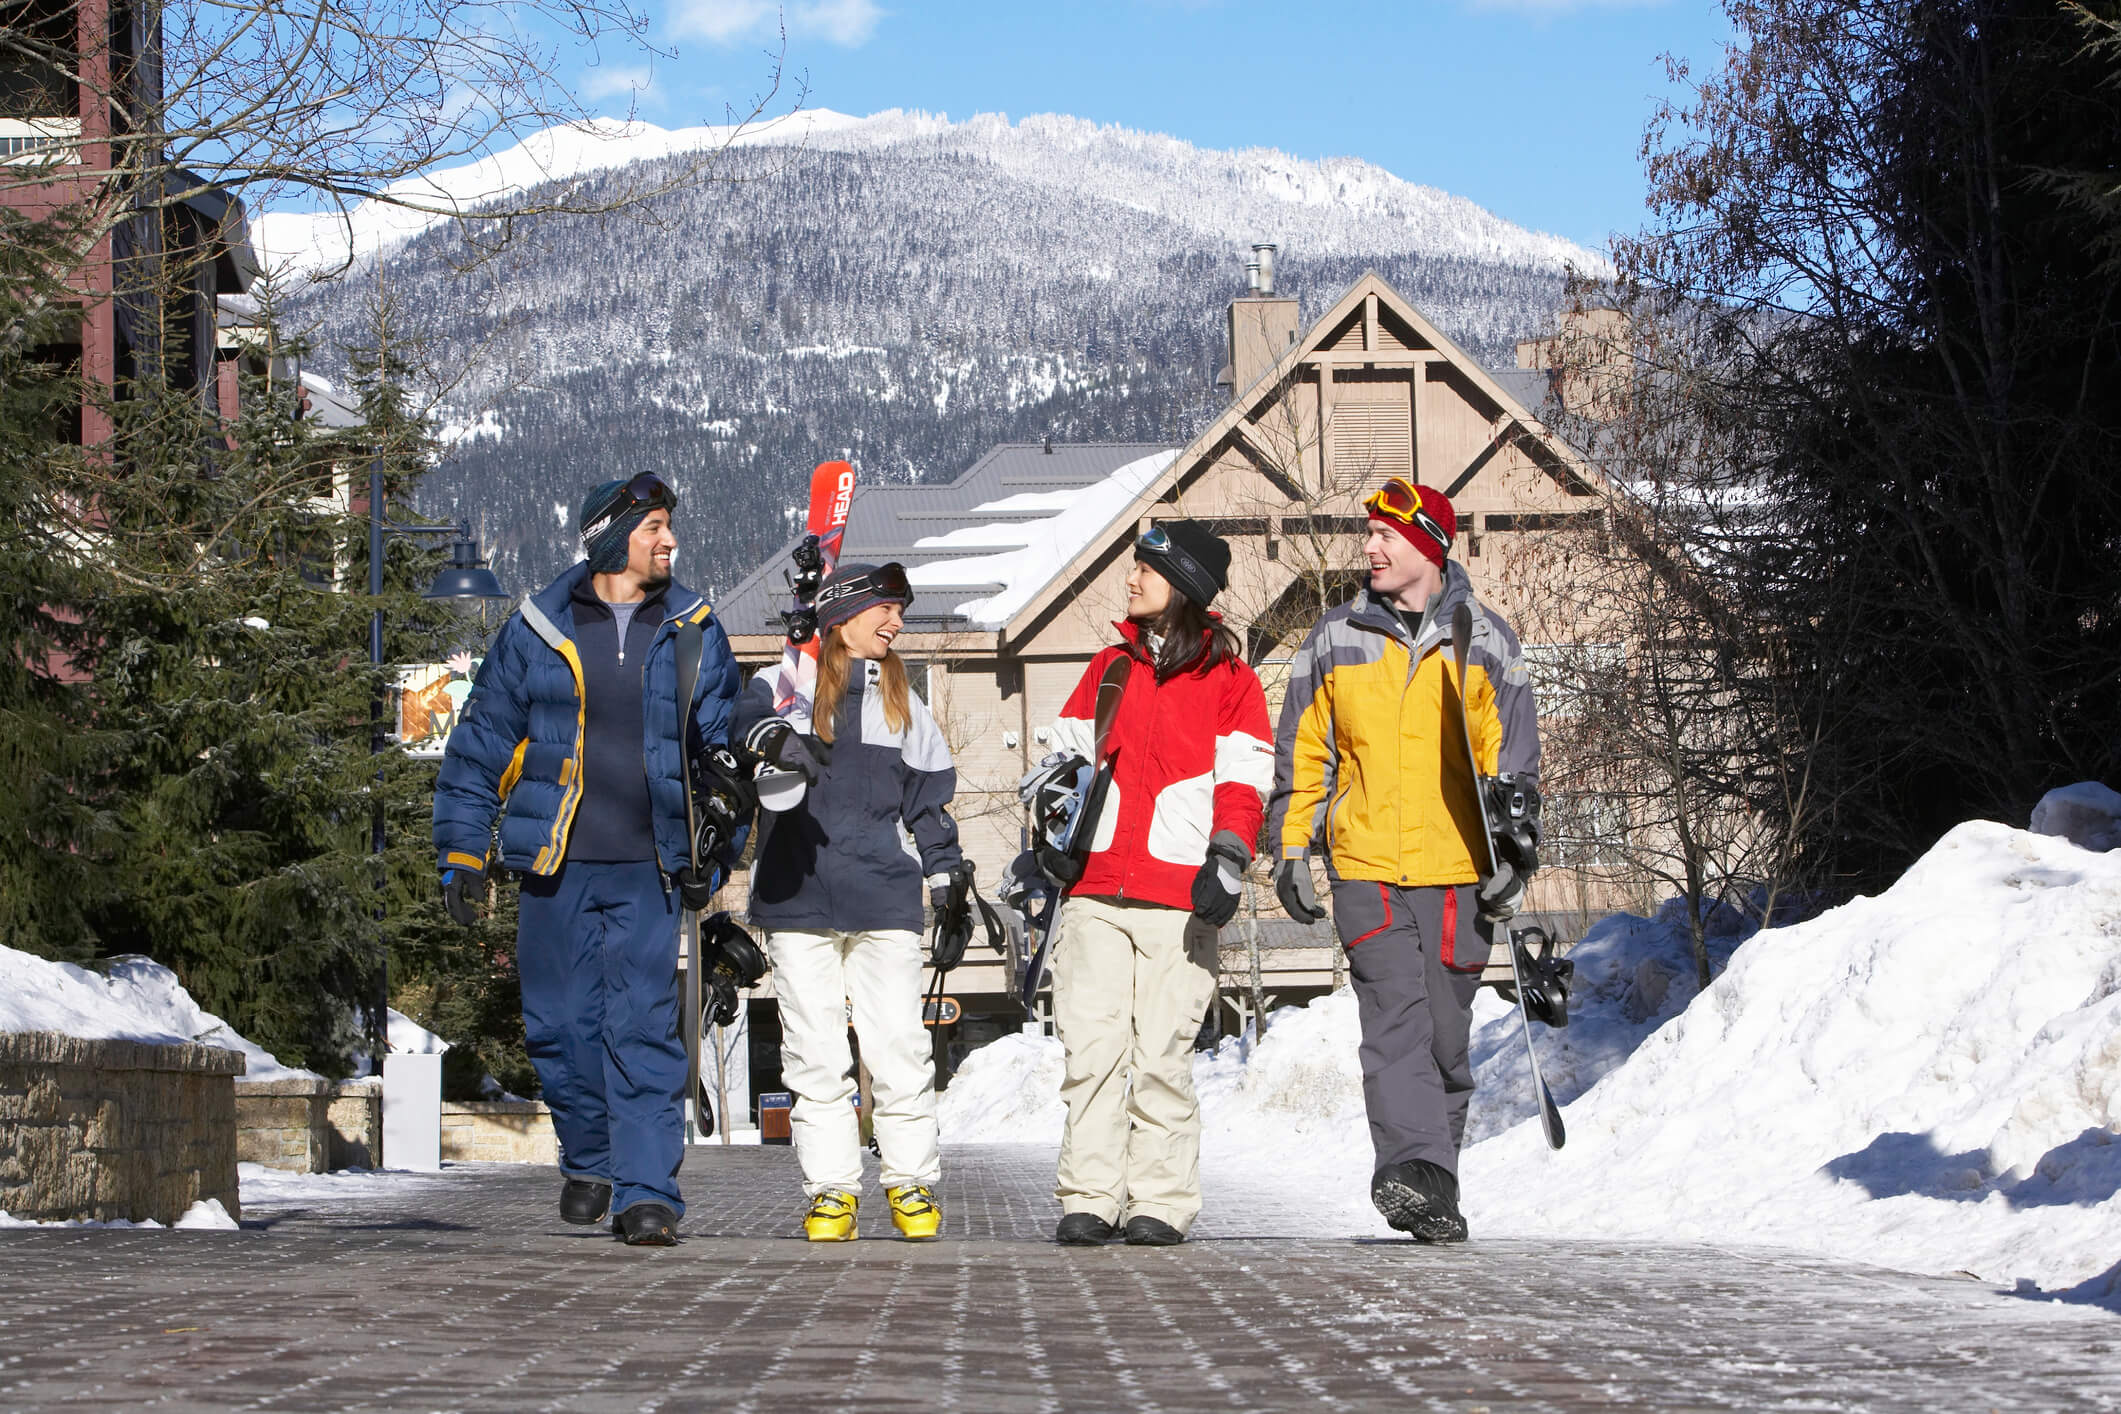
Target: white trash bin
(412, 1111)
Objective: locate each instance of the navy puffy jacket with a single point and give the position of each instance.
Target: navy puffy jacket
(851, 857)
(518, 743)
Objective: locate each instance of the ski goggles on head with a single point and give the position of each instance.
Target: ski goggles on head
(842, 599)
(1157, 542)
(1399, 500)
(648, 489)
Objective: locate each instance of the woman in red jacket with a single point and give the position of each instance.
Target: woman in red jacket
(1135, 967)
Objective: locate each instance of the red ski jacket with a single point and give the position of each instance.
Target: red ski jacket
(1191, 756)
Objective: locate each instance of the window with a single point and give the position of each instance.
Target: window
(1564, 674)
(1584, 830)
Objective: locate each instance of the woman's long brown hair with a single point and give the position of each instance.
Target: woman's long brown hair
(832, 668)
(1191, 637)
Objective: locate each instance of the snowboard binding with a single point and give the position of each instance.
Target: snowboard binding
(1544, 976)
(729, 962)
(800, 621)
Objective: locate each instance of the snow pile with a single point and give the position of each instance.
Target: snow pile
(136, 1000)
(2086, 814)
(1929, 1080)
(1632, 976)
(1006, 1092)
(1081, 515)
(206, 1215)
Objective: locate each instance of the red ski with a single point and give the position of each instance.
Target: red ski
(831, 493)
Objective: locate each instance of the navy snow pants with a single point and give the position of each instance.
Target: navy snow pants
(597, 950)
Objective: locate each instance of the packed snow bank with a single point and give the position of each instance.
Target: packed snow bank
(135, 1000)
(1006, 1092)
(1632, 976)
(2086, 814)
(1929, 1080)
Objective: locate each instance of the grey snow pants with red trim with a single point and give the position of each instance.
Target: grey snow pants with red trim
(1416, 956)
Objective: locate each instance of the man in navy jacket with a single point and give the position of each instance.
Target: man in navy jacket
(570, 737)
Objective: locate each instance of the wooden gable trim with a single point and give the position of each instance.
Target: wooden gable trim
(1361, 307)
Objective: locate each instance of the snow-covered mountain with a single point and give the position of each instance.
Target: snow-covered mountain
(902, 289)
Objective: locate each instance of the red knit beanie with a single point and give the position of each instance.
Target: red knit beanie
(1421, 515)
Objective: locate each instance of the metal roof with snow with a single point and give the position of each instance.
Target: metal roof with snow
(1016, 484)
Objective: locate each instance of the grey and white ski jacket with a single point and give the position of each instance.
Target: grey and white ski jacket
(853, 856)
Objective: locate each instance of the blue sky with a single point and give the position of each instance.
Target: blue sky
(1532, 108)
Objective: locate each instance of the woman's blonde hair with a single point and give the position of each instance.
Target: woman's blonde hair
(832, 669)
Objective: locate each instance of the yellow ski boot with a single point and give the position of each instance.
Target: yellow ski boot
(913, 1211)
(831, 1217)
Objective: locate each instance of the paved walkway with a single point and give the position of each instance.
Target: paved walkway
(465, 1291)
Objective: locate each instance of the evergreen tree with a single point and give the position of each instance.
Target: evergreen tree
(227, 674)
(53, 837)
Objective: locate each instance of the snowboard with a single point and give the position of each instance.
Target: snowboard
(831, 493)
(1549, 1112)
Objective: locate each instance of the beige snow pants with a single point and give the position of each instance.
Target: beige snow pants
(1131, 984)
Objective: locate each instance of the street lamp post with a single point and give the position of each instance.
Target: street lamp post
(465, 578)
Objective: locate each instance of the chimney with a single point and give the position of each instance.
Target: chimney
(1262, 325)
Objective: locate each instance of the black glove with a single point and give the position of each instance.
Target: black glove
(460, 886)
(1292, 885)
(697, 887)
(952, 903)
(782, 747)
(1221, 880)
(1501, 893)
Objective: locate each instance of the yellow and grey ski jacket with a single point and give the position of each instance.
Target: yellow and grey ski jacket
(1370, 763)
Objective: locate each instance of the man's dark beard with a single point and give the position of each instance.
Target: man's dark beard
(655, 579)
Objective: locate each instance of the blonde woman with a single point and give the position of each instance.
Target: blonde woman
(837, 889)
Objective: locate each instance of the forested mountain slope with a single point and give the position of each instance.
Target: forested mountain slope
(900, 290)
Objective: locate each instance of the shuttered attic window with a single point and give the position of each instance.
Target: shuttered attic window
(1371, 441)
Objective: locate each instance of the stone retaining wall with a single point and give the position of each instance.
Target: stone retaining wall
(309, 1125)
(115, 1129)
(498, 1131)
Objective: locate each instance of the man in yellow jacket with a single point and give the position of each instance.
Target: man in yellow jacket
(1371, 769)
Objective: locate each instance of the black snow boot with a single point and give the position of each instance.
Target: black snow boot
(1145, 1231)
(649, 1225)
(584, 1201)
(1420, 1199)
(1084, 1230)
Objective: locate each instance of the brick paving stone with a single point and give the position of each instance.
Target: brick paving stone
(466, 1291)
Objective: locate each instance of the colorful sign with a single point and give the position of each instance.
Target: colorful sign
(430, 699)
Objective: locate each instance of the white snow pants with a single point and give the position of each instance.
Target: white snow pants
(1131, 983)
(815, 976)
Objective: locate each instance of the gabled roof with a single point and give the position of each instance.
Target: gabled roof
(962, 543)
(995, 549)
(1258, 398)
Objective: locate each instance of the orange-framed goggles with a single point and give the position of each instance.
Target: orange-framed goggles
(1399, 499)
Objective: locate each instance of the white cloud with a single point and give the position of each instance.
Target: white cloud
(843, 22)
(627, 82)
(847, 22)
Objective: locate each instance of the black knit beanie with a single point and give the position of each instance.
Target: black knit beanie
(1195, 561)
(604, 534)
